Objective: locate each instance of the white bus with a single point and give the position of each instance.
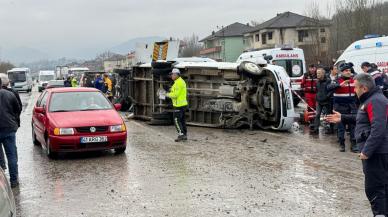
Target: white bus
(20, 79)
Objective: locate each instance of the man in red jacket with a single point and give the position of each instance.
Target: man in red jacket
(309, 86)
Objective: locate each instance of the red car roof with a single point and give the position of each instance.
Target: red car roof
(72, 89)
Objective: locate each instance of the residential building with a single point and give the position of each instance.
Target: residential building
(119, 62)
(226, 44)
(291, 29)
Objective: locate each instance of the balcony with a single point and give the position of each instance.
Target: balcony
(210, 50)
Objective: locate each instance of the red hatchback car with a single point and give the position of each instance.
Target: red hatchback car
(75, 120)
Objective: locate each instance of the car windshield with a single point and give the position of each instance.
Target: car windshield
(294, 68)
(17, 76)
(46, 77)
(78, 101)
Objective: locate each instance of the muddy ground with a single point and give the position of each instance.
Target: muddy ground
(216, 173)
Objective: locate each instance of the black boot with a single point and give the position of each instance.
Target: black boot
(181, 138)
(354, 147)
(342, 146)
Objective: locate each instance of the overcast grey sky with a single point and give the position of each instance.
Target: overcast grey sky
(60, 27)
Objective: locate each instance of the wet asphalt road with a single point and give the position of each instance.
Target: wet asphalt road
(216, 173)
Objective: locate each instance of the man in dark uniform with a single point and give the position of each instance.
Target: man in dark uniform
(344, 101)
(372, 137)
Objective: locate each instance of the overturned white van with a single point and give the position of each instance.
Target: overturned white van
(220, 94)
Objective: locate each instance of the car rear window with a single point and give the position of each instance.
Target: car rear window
(294, 68)
(78, 101)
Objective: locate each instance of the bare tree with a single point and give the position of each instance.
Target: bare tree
(191, 46)
(5, 66)
(350, 20)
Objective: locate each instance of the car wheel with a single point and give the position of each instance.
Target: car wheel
(120, 150)
(34, 140)
(161, 65)
(49, 152)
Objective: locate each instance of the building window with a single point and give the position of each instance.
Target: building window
(264, 38)
(257, 37)
(323, 30)
(270, 35)
(323, 40)
(302, 34)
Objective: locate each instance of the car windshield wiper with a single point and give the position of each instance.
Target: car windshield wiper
(94, 109)
(61, 111)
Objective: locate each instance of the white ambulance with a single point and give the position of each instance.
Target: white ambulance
(291, 59)
(373, 49)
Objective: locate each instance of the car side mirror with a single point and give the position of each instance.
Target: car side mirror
(39, 110)
(117, 106)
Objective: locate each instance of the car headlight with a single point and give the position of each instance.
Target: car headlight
(117, 128)
(63, 131)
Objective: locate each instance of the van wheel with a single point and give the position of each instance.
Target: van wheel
(249, 69)
(161, 71)
(161, 65)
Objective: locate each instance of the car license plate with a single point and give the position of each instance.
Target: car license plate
(94, 139)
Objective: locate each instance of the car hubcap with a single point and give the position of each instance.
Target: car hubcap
(252, 67)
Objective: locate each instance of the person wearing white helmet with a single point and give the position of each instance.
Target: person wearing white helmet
(178, 95)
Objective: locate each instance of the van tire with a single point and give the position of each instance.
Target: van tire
(164, 71)
(162, 116)
(246, 69)
(160, 122)
(161, 65)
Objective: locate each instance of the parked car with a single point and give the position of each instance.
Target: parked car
(55, 83)
(77, 120)
(7, 201)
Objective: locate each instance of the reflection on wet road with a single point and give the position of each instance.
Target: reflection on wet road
(216, 173)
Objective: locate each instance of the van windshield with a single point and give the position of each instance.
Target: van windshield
(17, 76)
(294, 68)
(46, 77)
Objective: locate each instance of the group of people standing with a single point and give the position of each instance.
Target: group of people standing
(328, 89)
(102, 83)
(355, 102)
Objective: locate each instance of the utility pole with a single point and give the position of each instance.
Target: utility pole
(222, 43)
